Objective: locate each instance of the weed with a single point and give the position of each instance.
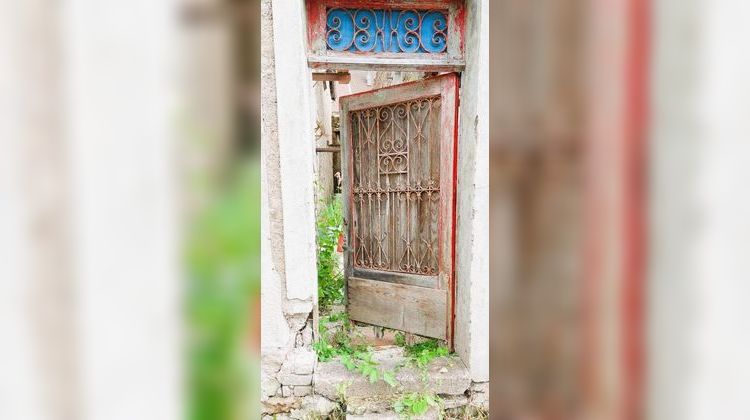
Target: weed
(354, 356)
(341, 343)
(421, 354)
(400, 339)
(330, 277)
(416, 404)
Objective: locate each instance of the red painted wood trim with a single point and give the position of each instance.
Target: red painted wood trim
(635, 235)
(316, 10)
(450, 59)
(626, 136)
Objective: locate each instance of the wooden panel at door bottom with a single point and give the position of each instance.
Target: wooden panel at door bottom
(419, 310)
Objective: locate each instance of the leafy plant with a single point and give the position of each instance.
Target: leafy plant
(354, 356)
(330, 277)
(416, 404)
(421, 354)
(400, 339)
(337, 342)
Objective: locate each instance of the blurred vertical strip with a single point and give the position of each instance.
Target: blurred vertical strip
(569, 106)
(536, 191)
(221, 166)
(37, 317)
(635, 234)
(617, 117)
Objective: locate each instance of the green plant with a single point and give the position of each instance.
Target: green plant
(400, 339)
(354, 356)
(341, 391)
(337, 342)
(421, 354)
(330, 278)
(416, 404)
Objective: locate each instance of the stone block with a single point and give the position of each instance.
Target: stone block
(268, 384)
(454, 401)
(307, 336)
(480, 396)
(293, 379)
(314, 407)
(453, 380)
(277, 405)
(302, 390)
(368, 405)
(483, 387)
(303, 361)
(287, 391)
(271, 359)
(431, 414)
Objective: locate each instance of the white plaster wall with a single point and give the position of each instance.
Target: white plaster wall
(296, 147)
(472, 266)
(698, 285)
(274, 329)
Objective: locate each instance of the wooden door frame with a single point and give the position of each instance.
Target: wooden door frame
(346, 139)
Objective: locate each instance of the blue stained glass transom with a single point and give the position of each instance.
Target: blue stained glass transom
(390, 31)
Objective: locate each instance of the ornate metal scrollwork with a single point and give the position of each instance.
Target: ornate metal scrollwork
(396, 188)
(386, 30)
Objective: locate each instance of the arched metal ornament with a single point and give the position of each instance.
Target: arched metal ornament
(386, 35)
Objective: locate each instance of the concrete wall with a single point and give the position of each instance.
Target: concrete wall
(698, 283)
(289, 280)
(472, 266)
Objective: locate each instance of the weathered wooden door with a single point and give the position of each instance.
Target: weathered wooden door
(399, 148)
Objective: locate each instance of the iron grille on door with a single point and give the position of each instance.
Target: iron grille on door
(399, 150)
(396, 194)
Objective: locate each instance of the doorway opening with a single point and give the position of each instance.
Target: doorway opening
(385, 204)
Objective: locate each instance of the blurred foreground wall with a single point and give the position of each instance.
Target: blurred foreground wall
(89, 291)
(698, 312)
(561, 74)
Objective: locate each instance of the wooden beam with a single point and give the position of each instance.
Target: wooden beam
(333, 149)
(409, 63)
(343, 77)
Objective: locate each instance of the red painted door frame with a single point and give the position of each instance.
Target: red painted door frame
(616, 236)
